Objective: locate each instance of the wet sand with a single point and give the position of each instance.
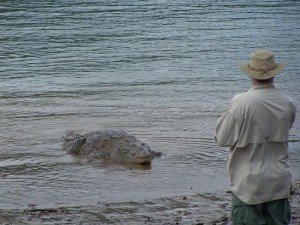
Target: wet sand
(205, 208)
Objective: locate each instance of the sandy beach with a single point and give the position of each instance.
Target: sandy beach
(198, 209)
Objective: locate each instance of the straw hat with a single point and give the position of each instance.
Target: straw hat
(262, 65)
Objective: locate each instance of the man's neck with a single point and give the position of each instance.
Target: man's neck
(266, 83)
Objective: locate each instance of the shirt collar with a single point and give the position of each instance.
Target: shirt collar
(256, 86)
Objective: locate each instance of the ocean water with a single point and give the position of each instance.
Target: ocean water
(161, 70)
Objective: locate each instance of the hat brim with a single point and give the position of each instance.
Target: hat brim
(260, 75)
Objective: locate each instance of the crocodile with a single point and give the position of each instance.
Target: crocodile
(113, 145)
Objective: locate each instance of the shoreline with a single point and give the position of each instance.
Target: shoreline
(196, 209)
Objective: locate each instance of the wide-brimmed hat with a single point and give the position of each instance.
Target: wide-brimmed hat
(262, 65)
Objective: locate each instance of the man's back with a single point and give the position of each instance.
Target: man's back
(265, 114)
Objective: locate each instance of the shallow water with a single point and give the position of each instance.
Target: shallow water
(161, 70)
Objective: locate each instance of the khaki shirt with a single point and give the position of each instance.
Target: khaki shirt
(256, 128)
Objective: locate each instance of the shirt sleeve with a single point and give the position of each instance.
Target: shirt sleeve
(292, 110)
(227, 130)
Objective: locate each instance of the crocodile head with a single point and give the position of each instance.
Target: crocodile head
(138, 152)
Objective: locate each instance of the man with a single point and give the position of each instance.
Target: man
(256, 128)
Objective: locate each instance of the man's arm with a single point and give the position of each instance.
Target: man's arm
(227, 130)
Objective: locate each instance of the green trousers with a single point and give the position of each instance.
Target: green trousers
(276, 212)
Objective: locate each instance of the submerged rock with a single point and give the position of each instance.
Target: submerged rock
(115, 145)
